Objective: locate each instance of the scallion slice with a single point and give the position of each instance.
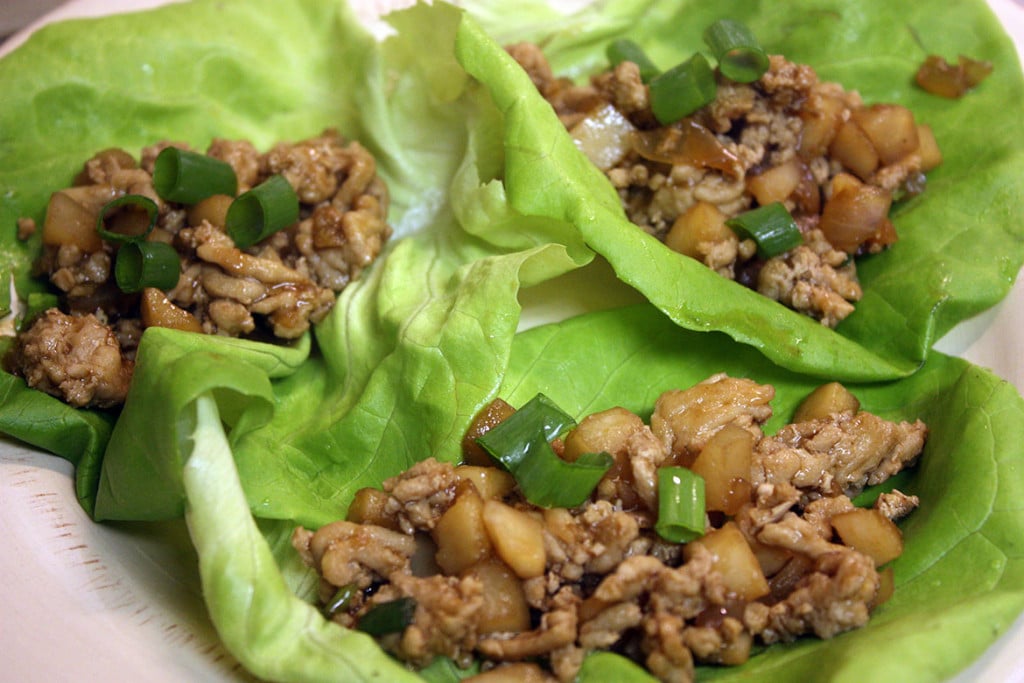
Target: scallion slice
(771, 226)
(341, 599)
(681, 511)
(624, 50)
(188, 177)
(521, 443)
(739, 54)
(388, 617)
(683, 89)
(146, 264)
(259, 213)
(131, 202)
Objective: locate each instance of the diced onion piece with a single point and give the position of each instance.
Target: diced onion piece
(853, 215)
(188, 177)
(891, 129)
(700, 226)
(259, 213)
(624, 50)
(870, 532)
(681, 511)
(777, 183)
(686, 142)
(734, 560)
(158, 311)
(771, 226)
(605, 136)
(939, 77)
(739, 54)
(682, 90)
(853, 149)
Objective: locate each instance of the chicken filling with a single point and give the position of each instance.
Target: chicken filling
(531, 590)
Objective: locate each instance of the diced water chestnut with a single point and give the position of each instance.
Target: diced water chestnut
(504, 609)
(869, 532)
(517, 537)
(702, 223)
(724, 463)
(461, 538)
(826, 400)
(734, 560)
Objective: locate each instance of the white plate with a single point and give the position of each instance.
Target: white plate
(87, 602)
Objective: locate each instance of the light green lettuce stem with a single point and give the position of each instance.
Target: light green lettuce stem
(271, 631)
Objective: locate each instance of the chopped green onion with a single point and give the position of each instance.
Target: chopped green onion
(146, 264)
(388, 617)
(624, 50)
(740, 57)
(683, 89)
(341, 599)
(188, 177)
(259, 213)
(521, 443)
(680, 505)
(134, 202)
(771, 226)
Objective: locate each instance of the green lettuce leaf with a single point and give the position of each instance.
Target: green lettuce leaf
(961, 242)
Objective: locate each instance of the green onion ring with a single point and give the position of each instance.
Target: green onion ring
(624, 50)
(771, 226)
(388, 617)
(188, 177)
(259, 213)
(521, 443)
(683, 89)
(740, 56)
(681, 514)
(146, 264)
(135, 201)
(341, 599)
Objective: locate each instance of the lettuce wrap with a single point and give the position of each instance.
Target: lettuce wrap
(961, 242)
(248, 440)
